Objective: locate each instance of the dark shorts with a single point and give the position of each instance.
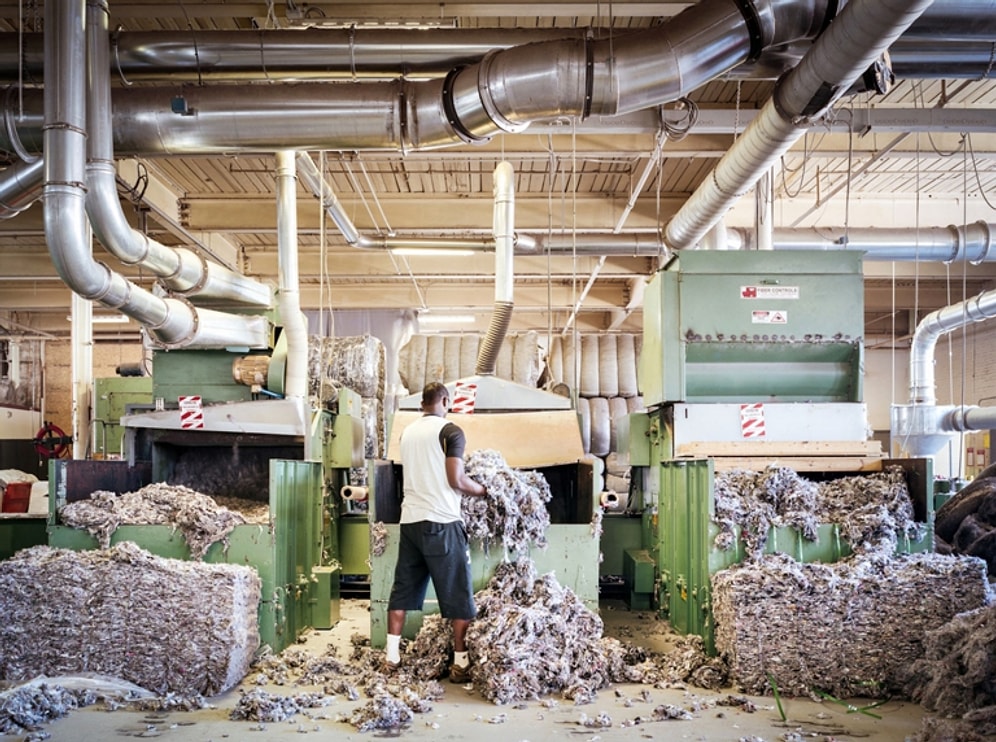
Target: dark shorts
(436, 551)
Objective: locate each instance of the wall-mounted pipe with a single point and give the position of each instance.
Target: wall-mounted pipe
(181, 270)
(289, 296)
(503, 229)
(857, 37)
(171, 322)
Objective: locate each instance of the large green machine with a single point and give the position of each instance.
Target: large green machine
(220, 425)
(749, 359)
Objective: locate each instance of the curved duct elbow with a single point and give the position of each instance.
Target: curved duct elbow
(487, 356)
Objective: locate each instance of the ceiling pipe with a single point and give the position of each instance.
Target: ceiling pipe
(503, 228)
(972, 243)
(21, 184)
(503, 92)
(181, 270)
(850, 45)
(171, 322)
(319, 187)
(948, 30)
(923, 427)
(289, 296)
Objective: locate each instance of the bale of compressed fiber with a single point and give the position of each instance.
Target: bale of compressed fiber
(167, 625)
(851, 628)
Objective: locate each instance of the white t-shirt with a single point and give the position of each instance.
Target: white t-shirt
(428, 495)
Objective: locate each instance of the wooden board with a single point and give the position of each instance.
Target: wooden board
(524, 439)
(801, 463)
(780, 448)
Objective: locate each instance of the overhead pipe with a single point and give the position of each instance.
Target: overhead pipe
(862, 32)
(289, 296)
(503, 228)
(922, 426)
(21, 184)
(503, 92)
(971, 243)
(180, 269)
(319, 187)
(171, 322)
(959, 28)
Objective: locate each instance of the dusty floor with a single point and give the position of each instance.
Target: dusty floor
(462, 715)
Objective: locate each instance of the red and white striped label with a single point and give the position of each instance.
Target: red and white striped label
(752, 420)
(464, 398)
(191, 412)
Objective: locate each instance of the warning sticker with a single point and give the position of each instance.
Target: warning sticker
(752, 420)
(769, 317)
(769, 292)
(191, 412)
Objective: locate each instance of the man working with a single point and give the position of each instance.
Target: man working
(433, 541)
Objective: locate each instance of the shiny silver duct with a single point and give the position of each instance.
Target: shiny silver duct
(973, 243)
(21, 184)
(503, 92)
(503, 228)
(922, 427)
(181, 270)
(951, 35)
(171, 322)
(850, 45)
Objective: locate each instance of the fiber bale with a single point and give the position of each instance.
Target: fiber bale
(435, 359)
(601, 426)
(374, 428)
(167, 625)
(589, 385)
(608, 366)
(451, 357)
(527, 359)
(469, 346)
(617, 413)
(411, 363)
(555, 360)
(626, 351)
(849, 628)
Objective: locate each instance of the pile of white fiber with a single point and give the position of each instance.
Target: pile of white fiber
(198, 517)
(872, 511)
(850, 629)
(167, 625)
(514, 513)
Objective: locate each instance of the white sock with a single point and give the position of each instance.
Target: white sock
(394, 647)
(460, 659)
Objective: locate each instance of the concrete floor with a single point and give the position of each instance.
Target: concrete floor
(463, 715)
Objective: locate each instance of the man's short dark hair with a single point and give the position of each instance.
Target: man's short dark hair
(433, 392)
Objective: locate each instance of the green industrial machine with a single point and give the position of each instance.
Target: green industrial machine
(749, 359)
(221, 426)
(113, 398)
(533, 430)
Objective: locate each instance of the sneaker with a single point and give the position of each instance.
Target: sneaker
(389, 668)
(460, 675)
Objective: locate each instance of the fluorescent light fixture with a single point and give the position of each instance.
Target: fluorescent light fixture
(104, 319)
(453, 251)
(447, 319)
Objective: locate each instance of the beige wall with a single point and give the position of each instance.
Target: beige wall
(107, 356)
